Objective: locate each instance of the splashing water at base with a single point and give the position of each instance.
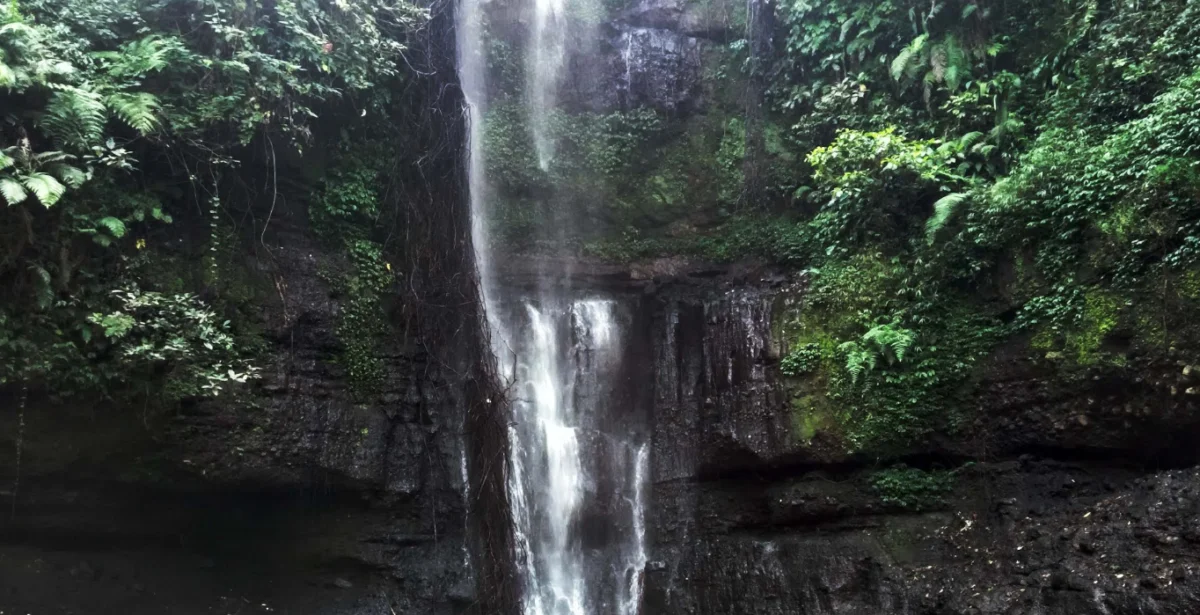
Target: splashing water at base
(564, 363)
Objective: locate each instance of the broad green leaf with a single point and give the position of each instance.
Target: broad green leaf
(47, 189)
(114, 226)
(12, 191)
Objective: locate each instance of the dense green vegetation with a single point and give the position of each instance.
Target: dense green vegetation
(139, 138)
(951, 176)
(912, 488)
(1028, 173)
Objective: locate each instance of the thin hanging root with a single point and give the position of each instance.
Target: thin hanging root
(20, 448)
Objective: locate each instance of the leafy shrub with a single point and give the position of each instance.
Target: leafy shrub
(875, 185)
(887, 341)
(175, 336)
(96, 89)
(804, 359)
(912, 488)
(348, 199)
(361, 325)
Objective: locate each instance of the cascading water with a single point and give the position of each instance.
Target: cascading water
(577, 470)
(548, 52)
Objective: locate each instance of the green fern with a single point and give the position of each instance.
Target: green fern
(139, 58)
(138, 110)
(12, 191)
(75, 117)
(890, 341)
(114, 226)
(45, 187)
(859, 360)
(947, 62)
(943, 210)
(43, 174)
(44, 290)
(957, 63)
(909, 58)
(971, 139)
(73, 177)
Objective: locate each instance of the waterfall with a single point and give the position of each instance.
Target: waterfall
(577, 470)
(548, 51)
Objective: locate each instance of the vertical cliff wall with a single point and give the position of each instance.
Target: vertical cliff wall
(307, 493)
(1062, 497)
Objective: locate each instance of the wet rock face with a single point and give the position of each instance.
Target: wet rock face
(716, 407)
(1070, 508)
(306, 419)
(657, 68)
(658, 51)
(713, 20)
(652, 54)
(1029, 537)
(262, 502)
(113, 548)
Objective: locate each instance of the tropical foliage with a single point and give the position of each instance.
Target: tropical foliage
(956, 175)
(122, 118)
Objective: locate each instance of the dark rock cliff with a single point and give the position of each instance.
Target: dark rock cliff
(302, 495)
(1071, 497)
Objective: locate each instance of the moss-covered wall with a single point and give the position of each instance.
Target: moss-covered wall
(626, 174)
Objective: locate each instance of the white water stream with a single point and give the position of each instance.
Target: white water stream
(547, 55)
(577, 477)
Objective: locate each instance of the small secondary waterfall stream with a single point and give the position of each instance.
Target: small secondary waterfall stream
(578, 469)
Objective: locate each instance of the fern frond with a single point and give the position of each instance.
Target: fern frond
(891, 341)
(139, 58)
(970, 139)
(8, 76)
(952, 77)
(859, 360)
(921, 52)
(44, 290)
(12, 191)
(114, 226)
(903, 62)
(50, 157)
(48, 68)
(943, 210)
(47, 189)
(71, 176)
(957, 63)
(900, 64)
(17, 28)
(901, 343)
(75, 117)
(6, 161)
(138, 110)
